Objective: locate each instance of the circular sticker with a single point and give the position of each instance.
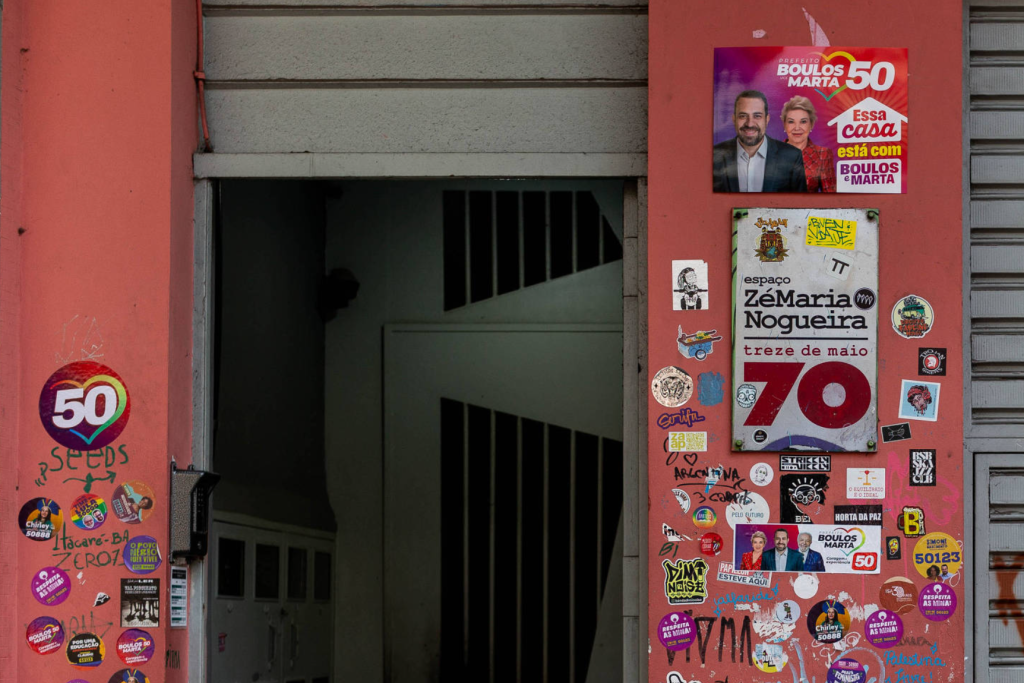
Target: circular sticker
(746, 395)
(937, 602)
(141, 555)
(85, 650)
(683, 498)
(898, 594)
(711, 544)
(677, 631)
(51, 586)
(846, 670)
(883, 629)
(135, 646)
(931, 361)
(912, 317)
(88, 512)
(704, 517)
(806, 586)
(768, 658)
(45, 635)
(129, 676)
(132, 502)
(672, 387)
(84, 406)
(864, 299)
(937, 556)
(761, 474)
(787, 611)
(748, 508)
(760, 436)
(40, 519)
(828, 621)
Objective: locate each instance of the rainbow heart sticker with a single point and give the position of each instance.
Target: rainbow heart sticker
(859, 532)
(84, 405)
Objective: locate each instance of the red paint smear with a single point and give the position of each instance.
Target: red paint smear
(901, 493)
(1005, 580)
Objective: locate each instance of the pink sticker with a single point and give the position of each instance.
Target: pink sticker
(45, 635)
(677, 631)
(51, 586)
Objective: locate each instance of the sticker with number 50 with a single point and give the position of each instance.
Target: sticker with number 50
(84, 406)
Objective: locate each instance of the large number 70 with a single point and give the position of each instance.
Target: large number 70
(779, 379)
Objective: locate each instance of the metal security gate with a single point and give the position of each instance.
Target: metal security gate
(999, 568)
(994, 320)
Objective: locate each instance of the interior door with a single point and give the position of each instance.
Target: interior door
(271, 613)
(562, 384)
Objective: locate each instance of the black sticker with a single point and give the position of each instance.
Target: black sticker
(760, 436)
(864, 299)
(922, 467)
(805, 463)
(896, 432)
(140, 603)
(870, 515)
(799, 493)
(892, 548)
(931, 362)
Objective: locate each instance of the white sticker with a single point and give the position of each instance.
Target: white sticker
(683, 498)
(761, 474)
(865, 482)
(748, 508)
(837, 264)
(805, 586)
(689, 286)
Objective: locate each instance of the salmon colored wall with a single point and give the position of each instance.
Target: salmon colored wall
(95, 239)
(920, 252)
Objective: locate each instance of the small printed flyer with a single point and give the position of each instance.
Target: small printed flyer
(811, 119)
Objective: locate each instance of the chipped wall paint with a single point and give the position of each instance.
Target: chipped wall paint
(737, 621)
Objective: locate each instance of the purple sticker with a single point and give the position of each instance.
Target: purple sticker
(677, 631)
(883, 629)
(44, 635)
(846, 670)
(937, 602)
(135, 646)
(51, 586)
(142, 555)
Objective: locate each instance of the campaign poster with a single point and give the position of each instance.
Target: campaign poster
(805, 330)
(824, 548)
(140, 603)
(811, 119)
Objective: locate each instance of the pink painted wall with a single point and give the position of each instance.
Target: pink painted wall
(98, 131)
(688, 221)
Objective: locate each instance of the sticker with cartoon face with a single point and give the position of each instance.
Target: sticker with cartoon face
(746, 395)
(919, 400)
(672, 387)
(40, 519)
(912, 317)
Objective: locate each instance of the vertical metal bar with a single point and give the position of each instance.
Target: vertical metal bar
(519, 535)
(494, 244)
(601, 521)
(600, 236)
(522, 243)
(547, 538)
(572, 542)
(491, 543)
(469, 257)
(547, 237)
(465, 534)
(575, 231)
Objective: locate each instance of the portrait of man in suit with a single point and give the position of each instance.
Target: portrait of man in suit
(782, 558)
(812, 560)
(752, 161)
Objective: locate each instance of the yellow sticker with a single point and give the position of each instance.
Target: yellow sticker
(831, 232)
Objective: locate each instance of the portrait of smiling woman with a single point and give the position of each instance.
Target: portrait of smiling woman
(798, 118)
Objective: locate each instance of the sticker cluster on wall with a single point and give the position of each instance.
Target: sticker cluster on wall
(758, 559)
(85, 407)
